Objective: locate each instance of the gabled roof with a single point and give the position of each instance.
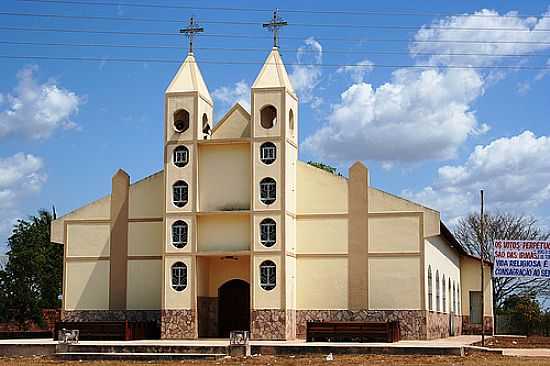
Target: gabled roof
(234, 124)
(273, 73)
(189, 78)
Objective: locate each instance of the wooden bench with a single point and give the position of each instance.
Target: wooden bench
(111, 330)
(334, 331)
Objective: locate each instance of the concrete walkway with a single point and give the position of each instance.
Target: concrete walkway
(526, 352)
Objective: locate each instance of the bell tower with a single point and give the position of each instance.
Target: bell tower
(274, 132)
(188, 116)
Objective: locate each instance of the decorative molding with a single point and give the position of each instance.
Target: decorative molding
(322, 215)
(395, 254)
(395, 213)
(322, 255)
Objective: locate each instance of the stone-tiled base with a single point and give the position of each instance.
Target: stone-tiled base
(208, 316)
(110, 315)
(470, 328)
(412, 323)
(268, 324)
(438, 325)
(290, 324)
(178, 324)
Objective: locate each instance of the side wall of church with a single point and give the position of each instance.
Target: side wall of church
(471, 278)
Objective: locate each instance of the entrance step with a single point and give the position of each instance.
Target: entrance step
(149, 356)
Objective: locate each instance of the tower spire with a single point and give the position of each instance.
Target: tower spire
(273, 26)
(190, 31)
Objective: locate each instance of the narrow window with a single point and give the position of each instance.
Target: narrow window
(268, 275)
(430, 290)
(454, 297)
(268, 116)
(437, 296)
(268, 189)
(459, 310)
(444, 291)
(179, 276)
(268, 153)
(450, 297)
(268, 232)
(291, 122)
(181, 156)
(181, 120)
(205, 126)
(179, 193)
(179, 234)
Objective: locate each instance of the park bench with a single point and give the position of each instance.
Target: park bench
(340, 331)
(111, 330)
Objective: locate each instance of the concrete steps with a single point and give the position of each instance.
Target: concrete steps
(131, 356)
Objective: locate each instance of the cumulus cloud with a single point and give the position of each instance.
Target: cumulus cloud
(305, 78)
(36, 110)
(514, 171)
(239, 92)
(357, 73)
(418, 115)
(21, 175)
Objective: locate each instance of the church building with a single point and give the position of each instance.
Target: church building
(236, 233)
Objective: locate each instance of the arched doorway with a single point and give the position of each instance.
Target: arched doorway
(233, 307)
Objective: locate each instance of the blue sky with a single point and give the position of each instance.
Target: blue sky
(436, 135)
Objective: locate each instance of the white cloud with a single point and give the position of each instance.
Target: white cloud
(239, 92)
(357, 73)
(514, 172)
(523, 87)
(543, 73)
(20, 176)
(527, 30)
(305, 78)
(418, 115)
(36, 110)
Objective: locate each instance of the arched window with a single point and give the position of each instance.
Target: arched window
(291, 121)
(430, 289)
(268, 116)
(450, 297)
(444, 292)
(454, 297)
(268, 232)
(180, 193)
(268, 275)
(205, 125)
(268, 153)
(181, 156)
(181, 120)
(179, 276)
(437, 293)
(179, 234)
(268, 190)
(458, 309)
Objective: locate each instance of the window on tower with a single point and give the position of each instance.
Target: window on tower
(291, 122)
(179, 276)
(268, 153)
(268, 116)
(268, 275)
(179, 234)
(180, 193)
(206, 126)
(181, 156)
(268, 190)
(181, 120)
(268, 232)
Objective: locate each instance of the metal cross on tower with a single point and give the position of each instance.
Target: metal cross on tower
(273, 25)
(192, 29)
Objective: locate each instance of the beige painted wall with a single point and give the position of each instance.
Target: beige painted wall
(145, 238)
(224, 232)
(146, 197)
(318, 191)
(173, 103)
(399, 234)
(144, 284)
(191, 234)
(174, 173)
(263, 299)
(172, 298)
(223, 270)
(262, 171)
(440, 257)
(322, 283)
(470, 274)
(290, 284)
(262, 98)
(87, 285)
(322, 235)
(235, 124)
(224, 177)
(290, 235)
(88, 240)
(292, 103)
(290, 177)
(394, 283)
(258, 246)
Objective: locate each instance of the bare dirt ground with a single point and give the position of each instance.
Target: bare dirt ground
(517, 342)
(370, 360)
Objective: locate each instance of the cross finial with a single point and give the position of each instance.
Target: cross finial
(273, 25)
(192, 29)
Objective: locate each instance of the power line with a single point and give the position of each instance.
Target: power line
(231, 49)
(214, 62)
(256, 23)
(301, 11)
(248, 36)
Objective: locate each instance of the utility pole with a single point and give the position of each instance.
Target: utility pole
(482, 254)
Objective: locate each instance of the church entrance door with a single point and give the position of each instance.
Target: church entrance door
(233, 307)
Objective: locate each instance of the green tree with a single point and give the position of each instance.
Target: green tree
(31, 280)
(524, 311)
(325, 167)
